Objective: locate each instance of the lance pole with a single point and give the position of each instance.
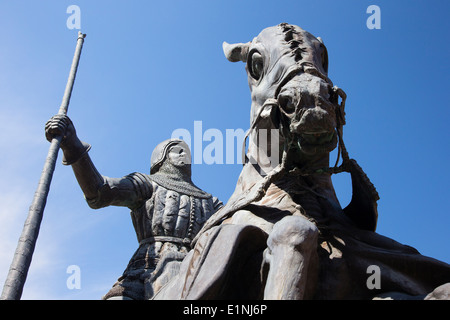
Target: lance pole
(15, 281)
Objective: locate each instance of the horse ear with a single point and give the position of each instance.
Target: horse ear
(236, 52)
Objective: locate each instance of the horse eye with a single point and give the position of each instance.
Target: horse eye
(256, 65)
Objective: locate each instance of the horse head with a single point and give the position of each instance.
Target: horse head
(294, 100)
(290, 89)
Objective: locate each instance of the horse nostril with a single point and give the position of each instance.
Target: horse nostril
(286, 103)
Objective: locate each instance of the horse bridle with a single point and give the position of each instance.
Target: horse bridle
(340, 122)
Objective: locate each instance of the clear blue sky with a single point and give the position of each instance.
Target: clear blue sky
(148, 68)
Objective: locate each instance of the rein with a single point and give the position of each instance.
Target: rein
(340, 119)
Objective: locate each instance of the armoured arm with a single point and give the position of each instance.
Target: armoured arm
(99, 191)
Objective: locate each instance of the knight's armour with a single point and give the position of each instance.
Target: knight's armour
(166, 219)
(171, 209)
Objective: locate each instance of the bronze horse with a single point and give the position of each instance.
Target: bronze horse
(283, 233)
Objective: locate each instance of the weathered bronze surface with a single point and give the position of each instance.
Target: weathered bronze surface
(283, 233)
(167, 208)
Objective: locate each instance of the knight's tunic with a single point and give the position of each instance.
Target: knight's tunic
(168, 218)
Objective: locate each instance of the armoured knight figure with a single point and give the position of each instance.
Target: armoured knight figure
(167, 209)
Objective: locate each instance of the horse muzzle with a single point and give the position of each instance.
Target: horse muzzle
(306, 109)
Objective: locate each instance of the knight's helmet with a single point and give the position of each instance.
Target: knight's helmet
(160, 152)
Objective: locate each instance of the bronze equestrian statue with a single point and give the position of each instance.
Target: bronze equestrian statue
(283, 233)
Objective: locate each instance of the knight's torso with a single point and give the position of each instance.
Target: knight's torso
(172, 214)
(167, 218)
(167, 221)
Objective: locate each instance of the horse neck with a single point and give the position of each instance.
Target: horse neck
(320, 181)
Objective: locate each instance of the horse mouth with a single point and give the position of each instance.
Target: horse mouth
(314, 142)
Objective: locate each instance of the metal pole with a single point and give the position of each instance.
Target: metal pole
(12, 290)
